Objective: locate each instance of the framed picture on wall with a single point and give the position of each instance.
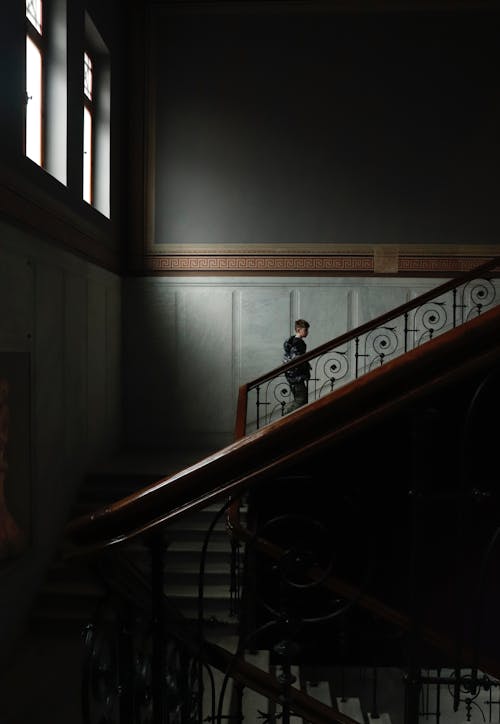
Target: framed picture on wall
(15, 455)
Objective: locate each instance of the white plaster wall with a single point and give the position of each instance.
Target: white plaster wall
(190, 342)
(66, 314)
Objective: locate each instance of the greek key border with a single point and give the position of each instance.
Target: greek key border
(349, 264)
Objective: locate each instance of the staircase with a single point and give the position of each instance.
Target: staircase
(348, 691)
(364, 694)
(185, 542)
(70, 593)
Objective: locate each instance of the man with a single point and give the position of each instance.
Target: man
(299, 375)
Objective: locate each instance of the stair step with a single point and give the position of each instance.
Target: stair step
(211, 700)
(380, 719)
(190, 581)
(199, 522)
(229, 642)
(215, 592)
(321, 691)
(198, 535)
(213, 610)
(295, 672)
(195, 545)
(254, 704)
(208, 514)
(191, 567)
(351, 707)
(191, 564)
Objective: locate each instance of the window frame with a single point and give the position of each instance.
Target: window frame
(39, 39)
(89, 106)
(100, 108)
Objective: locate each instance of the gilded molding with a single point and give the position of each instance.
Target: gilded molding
(259, 264)
(383, 262)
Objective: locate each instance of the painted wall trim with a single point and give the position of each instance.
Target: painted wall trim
(328, 259)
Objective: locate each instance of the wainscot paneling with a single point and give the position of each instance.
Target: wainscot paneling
(190, 342)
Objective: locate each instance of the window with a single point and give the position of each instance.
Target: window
(46, 85)
(34, 81)
(87, 128)
(46, 140)
(96, 120)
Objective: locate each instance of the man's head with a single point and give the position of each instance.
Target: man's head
(301, 327)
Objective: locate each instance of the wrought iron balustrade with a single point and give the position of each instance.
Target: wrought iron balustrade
(375, 343)
(138, 666)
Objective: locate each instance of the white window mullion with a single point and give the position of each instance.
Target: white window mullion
(33, 102)
(87, 155)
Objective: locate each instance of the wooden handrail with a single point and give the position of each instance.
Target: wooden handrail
(345, 590)
(259, 456)
(328, 420)
(378, 321)
(402, 309)
(303, 705)
(216, 656)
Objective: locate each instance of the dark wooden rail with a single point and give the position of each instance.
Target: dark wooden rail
(432, 631)
(488, 267)
(473, 348)
(450, 359)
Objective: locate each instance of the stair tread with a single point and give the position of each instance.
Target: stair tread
(383, 718)
(260, 659)
(190, 546)
(254, 703)
(211, 591)
(217, 681)
(350, 706)
(321, 691)
(193, 566)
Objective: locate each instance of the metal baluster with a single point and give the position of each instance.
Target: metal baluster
(158, 626)
(374, 713)
(257, 390)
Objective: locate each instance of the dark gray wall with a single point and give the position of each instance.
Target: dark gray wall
(61, 316)
(308, 128)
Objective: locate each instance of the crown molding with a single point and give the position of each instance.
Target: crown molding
(321, 259)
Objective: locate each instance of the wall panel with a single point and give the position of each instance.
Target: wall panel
(49, 392)
(191, 342)
(64, 315)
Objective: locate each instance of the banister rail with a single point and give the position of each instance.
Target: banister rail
(254, 458)
(272, 391)
(269, 450)
(251, 457)
(127, 577)
(438, 640)
(259, 456)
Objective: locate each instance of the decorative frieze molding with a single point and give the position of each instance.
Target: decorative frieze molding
(386, 260)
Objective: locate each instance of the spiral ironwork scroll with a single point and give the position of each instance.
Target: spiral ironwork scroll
(378, 346)
(429, 321)
(410, 329)
(476, 296)
(310, 553)
(329, 370)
